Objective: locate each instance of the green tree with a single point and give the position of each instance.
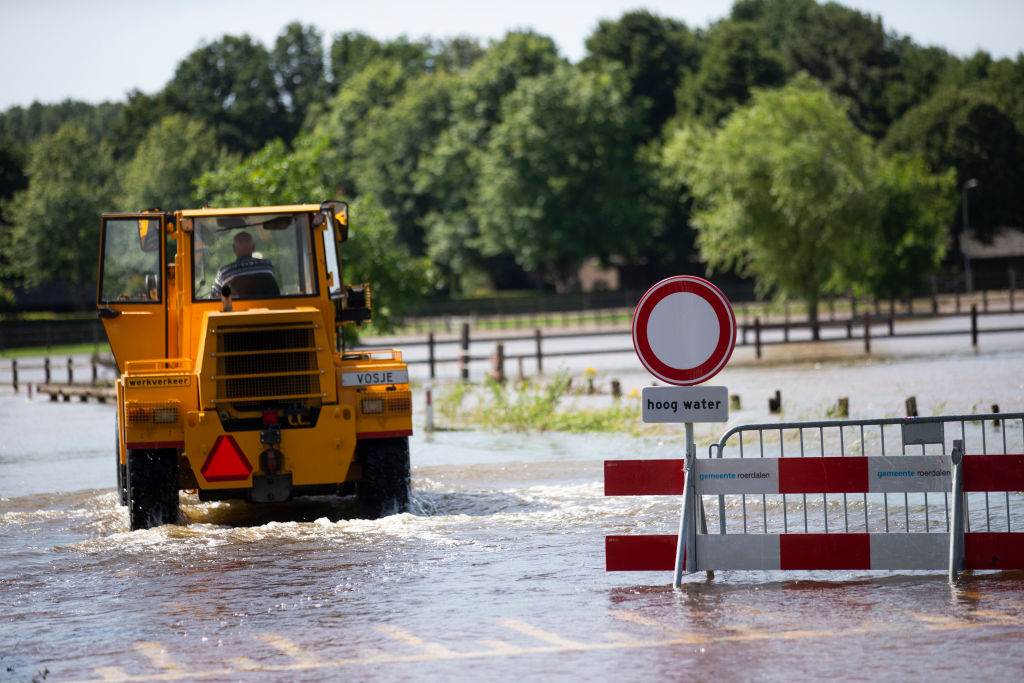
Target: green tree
(229, 85)
(561, 180)
(350, 116)
(785, 194)
(655, 53)
(351, 52)
(450, 172)
(913, 230)
(455, 55)
(397, 142)
(967, 131)
(174, 153)
(298, 63)
(847, 50)
(56, 219)
(140, 113)
(736, 59)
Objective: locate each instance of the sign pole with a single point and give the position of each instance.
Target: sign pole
(686, 558)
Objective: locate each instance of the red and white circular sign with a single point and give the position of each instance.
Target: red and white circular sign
(684, 330)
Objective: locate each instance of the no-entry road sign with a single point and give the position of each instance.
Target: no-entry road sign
(684, 330)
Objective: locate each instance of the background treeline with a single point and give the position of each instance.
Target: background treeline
(795, 143)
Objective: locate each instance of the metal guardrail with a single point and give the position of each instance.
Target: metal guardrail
(928, 493)
(985, 434)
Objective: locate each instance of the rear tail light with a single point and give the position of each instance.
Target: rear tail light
(226, 461)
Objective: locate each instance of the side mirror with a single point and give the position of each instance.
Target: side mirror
(356, 305)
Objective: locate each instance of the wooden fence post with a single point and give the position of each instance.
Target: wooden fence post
(498, 363)
(867, 333)
(1013, 287)
(892, 325)
(757, 337)
(464, 353)
(911, 406)
(974, 325)
(540, 353)
(431, 361)
(71, 370)
(14, 374)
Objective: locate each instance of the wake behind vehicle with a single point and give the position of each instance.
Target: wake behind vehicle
(224, 325)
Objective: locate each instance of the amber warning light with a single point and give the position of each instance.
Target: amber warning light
(226, 461)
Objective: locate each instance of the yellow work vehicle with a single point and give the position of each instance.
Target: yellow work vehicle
(224, 324)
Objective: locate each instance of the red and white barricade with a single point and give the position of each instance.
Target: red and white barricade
(966, 486)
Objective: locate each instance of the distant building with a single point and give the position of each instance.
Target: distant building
(597, 278)
(989, 264)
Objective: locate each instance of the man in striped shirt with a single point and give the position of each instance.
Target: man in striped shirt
(249, 277)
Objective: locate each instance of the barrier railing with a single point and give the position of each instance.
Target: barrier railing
(901, 494)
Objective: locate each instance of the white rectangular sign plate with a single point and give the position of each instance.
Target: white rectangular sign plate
(685, 404)
(372, 377)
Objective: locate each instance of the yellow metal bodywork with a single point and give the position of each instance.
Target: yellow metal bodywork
(169, 358)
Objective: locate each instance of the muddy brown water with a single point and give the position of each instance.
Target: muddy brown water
(497, 574)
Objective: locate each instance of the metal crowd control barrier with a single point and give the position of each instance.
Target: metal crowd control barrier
(932, 493)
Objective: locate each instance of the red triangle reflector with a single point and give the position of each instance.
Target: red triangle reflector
(226, 462)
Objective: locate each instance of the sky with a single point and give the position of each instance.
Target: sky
(99, 49)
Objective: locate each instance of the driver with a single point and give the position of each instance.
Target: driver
(248, 276)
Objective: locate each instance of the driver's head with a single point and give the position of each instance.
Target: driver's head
(243, 245)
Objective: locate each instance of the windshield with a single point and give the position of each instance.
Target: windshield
(256, 256)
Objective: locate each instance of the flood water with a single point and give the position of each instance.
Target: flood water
(498, 573)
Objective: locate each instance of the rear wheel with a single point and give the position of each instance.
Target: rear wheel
(384, 486)
(152, 488)
(122, 478)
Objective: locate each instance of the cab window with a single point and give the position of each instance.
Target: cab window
(131, 261)
(258, 256)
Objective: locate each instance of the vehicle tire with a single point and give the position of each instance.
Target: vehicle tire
(122, 478)
(384, 487)
(152, 488)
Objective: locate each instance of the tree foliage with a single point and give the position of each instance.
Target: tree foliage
(967, 131)
(229, 85)
(784, 193)
(559, 180)
(737, 58)
(298, 64)
(167, 163)
(56, 219)
(506, 166)
(655, 53)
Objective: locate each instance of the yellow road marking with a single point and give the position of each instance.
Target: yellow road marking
(553, 644)
(157, 655)
(404, 636)
(993, 617)
(938, 622)
(500, 647)
(540, 634)
(287, 647)
(676, 633)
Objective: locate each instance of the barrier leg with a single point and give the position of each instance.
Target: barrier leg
(956, 527)
(686, 558)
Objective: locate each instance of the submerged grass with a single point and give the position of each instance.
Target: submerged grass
(534, 407)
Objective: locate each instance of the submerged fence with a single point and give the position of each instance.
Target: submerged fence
(924, 493)
(866, 329)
